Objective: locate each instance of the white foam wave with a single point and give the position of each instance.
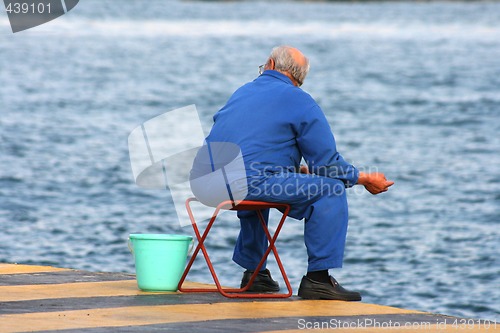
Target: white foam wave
(71, 26)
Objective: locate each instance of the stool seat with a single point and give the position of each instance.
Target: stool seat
(236, 206)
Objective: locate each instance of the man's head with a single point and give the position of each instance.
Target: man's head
(289, 61)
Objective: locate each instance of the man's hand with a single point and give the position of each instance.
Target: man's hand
(375, 182)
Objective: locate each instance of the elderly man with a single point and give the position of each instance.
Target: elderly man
(275, 124)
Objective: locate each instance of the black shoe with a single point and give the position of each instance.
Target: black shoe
(310, 289)
(263, 282)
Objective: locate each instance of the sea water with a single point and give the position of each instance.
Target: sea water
(410, 89)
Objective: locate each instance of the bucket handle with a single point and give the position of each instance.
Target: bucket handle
(130, 247)
(191, 247)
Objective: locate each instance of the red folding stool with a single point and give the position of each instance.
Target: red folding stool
(238, 205)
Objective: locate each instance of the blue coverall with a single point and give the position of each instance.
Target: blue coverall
(276, 124)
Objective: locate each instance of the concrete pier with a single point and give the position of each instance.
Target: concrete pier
(49, 299)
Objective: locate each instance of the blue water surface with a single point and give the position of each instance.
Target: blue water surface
(410, 89)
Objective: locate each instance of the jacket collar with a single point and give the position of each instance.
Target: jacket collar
(278, 75)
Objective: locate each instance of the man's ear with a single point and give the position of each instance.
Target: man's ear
(270, 64)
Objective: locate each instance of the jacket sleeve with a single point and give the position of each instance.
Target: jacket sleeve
(317, 145)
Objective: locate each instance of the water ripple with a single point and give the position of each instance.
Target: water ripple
(415, 96)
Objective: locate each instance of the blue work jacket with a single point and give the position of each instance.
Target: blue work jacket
(276, 124)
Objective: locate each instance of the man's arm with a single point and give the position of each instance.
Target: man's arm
(375, 182)
(317, 145)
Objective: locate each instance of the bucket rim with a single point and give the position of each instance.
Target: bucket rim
(170, 237)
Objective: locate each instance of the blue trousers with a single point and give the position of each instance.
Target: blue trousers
(321, 201)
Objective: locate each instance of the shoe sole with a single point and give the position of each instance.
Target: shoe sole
(322, 296)
(262, 289)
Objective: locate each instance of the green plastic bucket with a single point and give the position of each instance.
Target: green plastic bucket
(160, 260)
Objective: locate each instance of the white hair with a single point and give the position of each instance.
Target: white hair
(285, 62)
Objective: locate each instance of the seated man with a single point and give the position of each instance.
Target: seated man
(275, 124)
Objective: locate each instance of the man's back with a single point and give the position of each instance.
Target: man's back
(264, 118)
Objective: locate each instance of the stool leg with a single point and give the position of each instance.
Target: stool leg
(234, 292)
(272, 247)
(201, 246)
